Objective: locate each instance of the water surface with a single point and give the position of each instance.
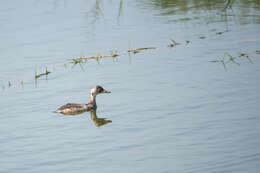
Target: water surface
(173, 109)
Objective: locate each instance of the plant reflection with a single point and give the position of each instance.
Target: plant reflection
(120, 11)
(98, 121)
(221, 11)
(95, 13)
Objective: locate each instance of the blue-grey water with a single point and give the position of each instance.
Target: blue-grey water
(191, 107)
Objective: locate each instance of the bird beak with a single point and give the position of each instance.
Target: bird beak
(105, 91)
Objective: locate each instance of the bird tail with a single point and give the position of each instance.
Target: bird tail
(57, 111)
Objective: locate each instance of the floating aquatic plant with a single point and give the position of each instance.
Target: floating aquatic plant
(227, 58)
(221, 32)
(137, 50)
(46, 73)
(245, 55)
(173, 43)
(22, 82)
(84, 59)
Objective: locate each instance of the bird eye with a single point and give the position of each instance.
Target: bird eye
(100, 89)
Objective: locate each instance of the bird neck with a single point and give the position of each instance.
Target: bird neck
(93, 98)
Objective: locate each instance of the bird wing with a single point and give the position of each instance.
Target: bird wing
(70, 105)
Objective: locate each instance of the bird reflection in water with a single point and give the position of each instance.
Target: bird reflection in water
(98, 121)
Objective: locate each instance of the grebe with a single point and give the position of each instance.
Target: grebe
(73, 108)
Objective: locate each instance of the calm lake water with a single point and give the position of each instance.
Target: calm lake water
(188, 107)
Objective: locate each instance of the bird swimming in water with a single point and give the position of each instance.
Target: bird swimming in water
(74, 108)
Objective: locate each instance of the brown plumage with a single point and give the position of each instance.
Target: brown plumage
(74, 108)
